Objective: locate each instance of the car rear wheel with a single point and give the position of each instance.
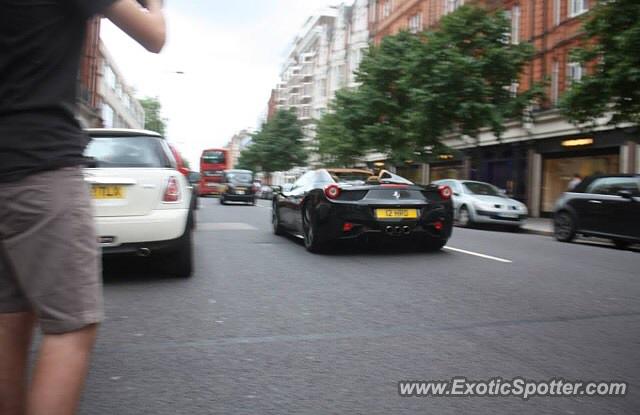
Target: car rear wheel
(275, 221)
(222, 201)
(180, 263)
(464, 218)
(564, 227)
(310, 230)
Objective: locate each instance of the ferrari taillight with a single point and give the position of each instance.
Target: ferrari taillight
(332, 191)
(445, 192)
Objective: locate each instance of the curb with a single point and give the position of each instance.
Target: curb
(537, 231)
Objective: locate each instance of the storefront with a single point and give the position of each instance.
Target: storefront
(583, 155)
(504, 166)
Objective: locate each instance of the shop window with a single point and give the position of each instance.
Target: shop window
(558, 172)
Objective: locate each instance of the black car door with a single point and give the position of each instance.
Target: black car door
(297, 197)
(624, 203)
(607, 212)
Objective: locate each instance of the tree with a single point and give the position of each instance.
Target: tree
(277, 146)
(339, 132)
(153, 120)
(612, 52)
(417, 89)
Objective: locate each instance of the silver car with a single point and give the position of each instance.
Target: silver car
(479, 202)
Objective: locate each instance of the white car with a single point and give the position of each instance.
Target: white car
(142, 203)
(479, 202)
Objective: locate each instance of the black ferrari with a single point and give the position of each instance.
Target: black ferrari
(334, 204)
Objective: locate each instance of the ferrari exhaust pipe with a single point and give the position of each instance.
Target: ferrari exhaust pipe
(406, 230)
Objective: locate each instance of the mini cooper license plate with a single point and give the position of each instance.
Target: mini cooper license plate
(397, 213)
(107, 192)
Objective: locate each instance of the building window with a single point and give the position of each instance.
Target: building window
(110, 77)
(577, 7)
(452, 5)
(107, 116)
(555, 80)
(513, 89)
(515, 25)
(575, 72)
(556, 12)
(415, 23)
(386, 8)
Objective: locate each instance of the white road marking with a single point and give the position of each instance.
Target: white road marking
(493, 258)
(226, 226)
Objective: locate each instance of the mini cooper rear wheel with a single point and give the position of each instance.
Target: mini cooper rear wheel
(564, 227)
(180, 262)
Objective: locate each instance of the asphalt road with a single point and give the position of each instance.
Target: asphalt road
(264, 327)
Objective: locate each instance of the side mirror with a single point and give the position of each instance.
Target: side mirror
(503, 192)
(625, 194)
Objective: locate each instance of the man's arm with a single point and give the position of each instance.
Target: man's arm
(146, 26)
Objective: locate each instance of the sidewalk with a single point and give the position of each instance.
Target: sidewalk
(539, 226)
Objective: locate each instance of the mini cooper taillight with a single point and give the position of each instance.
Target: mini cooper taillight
(172, 191)
(332, 191)
(445, 192)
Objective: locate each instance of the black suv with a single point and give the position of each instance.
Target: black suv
(603, 206)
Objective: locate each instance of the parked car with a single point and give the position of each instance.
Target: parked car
(238, 186)
(182, 168)
(141, 201)
(479, 202)
(330, 204)
(265, 192)
(604, 206)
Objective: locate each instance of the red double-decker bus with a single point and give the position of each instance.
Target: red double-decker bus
(213, 163)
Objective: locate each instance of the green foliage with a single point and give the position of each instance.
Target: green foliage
(278, 146)
(339, 132)
(612, 50)
(416, 89)
(153, 120)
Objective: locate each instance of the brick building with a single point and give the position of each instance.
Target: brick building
(87, 104)
(535, 158)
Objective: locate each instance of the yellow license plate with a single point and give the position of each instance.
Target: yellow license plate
(397, 213)
(107, 192)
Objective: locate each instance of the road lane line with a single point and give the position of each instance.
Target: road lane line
(493, 258)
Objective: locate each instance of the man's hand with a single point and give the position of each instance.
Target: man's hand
(147, 26)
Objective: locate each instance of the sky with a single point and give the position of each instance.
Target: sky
(229, 53)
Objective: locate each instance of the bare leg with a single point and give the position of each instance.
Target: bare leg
(60, 372)
(15, 338)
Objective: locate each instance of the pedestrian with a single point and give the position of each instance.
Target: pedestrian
(49, 259)
(575, 181)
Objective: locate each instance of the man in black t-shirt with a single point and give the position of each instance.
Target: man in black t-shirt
(49, 258)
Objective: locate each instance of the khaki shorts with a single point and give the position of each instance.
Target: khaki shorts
(49, 255)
